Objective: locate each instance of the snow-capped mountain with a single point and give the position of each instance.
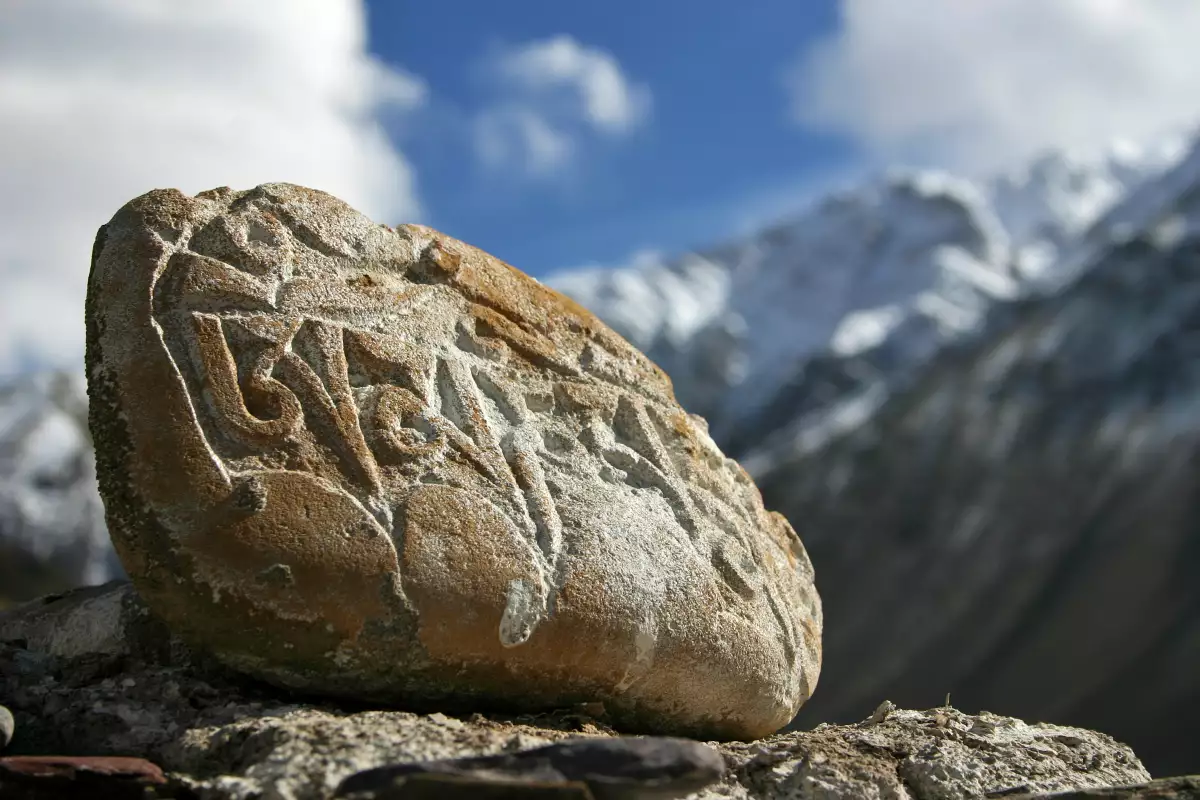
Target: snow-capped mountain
(906, 262)
(834, 392)
(1048, 206)
(52, 533)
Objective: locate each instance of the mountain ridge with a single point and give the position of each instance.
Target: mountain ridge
(917, 256)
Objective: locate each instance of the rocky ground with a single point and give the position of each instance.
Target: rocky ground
(92, 674)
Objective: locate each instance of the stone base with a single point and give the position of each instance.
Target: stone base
(91, 673)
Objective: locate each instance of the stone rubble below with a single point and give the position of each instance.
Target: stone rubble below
(91, 673)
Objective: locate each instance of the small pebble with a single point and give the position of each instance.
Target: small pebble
(882, 712)
(7, 726)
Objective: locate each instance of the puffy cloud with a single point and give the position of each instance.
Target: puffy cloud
(511, 136)
(592, 77)
(104, 101)
(552, 96)
(983, 84)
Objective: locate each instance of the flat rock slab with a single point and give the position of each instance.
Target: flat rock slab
(619, 768)
(135, 690)
(446, 787)
(66, 777)
(382, 464)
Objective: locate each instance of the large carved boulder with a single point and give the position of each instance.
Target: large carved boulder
(382, 464)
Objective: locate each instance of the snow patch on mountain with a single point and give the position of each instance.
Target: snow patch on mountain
(1050, 205)
(1157, 215)
(652, 299)
(51, 516)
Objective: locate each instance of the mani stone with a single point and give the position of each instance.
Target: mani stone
(380, 464)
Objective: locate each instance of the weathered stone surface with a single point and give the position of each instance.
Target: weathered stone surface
(383, 464)
(223, 737)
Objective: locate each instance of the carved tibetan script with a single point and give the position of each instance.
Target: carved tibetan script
(383, 377)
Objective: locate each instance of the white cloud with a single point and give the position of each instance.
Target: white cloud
(553, 95)
(591, 77)
(515, 136)
(102, 102)
(983, 84)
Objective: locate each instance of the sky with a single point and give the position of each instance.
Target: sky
(554, 135)
(584, 132)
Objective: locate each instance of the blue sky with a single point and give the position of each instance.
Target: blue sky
(716, 150)
(553, 134)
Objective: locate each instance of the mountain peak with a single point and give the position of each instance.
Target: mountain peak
(919, 251)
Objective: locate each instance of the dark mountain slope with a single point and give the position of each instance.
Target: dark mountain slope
(1021, 526)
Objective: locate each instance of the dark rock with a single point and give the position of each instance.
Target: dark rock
(1181, 788)
(622, 768)
(435, 786)
(94, 777)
